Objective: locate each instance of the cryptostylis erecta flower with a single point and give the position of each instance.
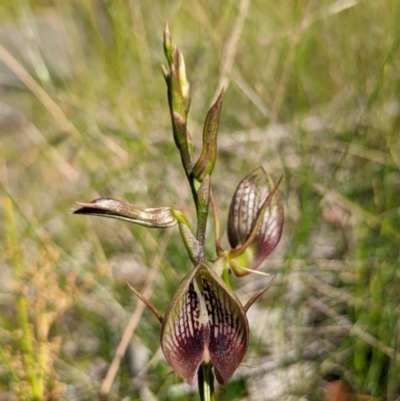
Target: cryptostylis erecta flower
(205, 327)
(204, 323)
(255, 221)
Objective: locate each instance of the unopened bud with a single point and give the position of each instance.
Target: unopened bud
(255, 221)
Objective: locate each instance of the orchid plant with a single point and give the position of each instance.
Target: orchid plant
(204, 331)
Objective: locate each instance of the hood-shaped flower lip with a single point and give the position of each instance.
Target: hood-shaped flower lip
(255, 218)
(204, 322)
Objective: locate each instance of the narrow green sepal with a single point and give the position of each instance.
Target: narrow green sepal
(166, 75)
(147, 302)
(191, 243)
(183, 141)
(160, 217)
(203, 201)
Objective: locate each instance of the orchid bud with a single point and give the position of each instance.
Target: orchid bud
(179, 103)
(179, 85)
(160, 217)
(255, 221)
(185, 86)
(167, 44)
(206, 162)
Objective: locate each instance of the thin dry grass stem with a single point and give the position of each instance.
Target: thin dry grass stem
(369, 218)
(354, 328)
(354, 149)
(283, 82)
(42, 144)
(140, 33)
(130, 328)
(46, 100)
(230, 49)
(34, 53)
(310, 19)
(100, 115)
(326, 12)
(251, 94)
(333, 292)
(392, 141)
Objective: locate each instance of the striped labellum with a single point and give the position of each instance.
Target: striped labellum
(205, 323)
(255, 221)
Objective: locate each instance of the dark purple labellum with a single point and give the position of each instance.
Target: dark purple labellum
(205, 322)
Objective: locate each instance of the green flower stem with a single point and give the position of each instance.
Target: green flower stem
(206, 382)
(179, 103)
(182, 140)
(203, 201)
(217, 229)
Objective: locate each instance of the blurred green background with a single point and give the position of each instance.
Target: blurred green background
(312, 93)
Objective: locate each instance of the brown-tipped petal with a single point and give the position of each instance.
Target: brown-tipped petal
(258, 295)
(204, 322)
(157, 314)
(160, 217)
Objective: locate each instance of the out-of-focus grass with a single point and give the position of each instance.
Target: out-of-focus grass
(312, 94)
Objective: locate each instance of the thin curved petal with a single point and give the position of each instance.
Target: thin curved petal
(160, 217)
